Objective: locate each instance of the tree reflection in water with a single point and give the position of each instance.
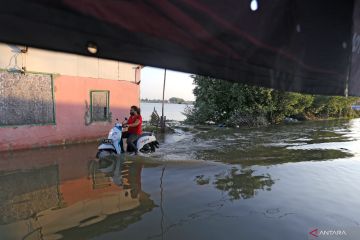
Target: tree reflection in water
(243, 184)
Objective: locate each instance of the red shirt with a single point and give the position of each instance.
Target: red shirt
(138, 129)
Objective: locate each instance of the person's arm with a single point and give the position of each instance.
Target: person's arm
(135, 124)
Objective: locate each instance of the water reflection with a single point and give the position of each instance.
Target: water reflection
(243, 184)
(45, 203)
(239, 184)
(23, 194)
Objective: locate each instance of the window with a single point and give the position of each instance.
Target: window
(99, 105)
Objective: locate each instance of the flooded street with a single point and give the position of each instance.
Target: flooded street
(275, 182)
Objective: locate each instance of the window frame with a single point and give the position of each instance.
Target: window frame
(107, 105)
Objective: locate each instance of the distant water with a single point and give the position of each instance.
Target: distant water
(171, 111)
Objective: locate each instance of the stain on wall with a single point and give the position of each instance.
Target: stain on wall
(87, 117)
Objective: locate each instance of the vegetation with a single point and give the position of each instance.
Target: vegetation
(154, 100)
(176, 100)
(235, 104)
(171, 100)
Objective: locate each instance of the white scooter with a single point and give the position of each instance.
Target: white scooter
(146, 143)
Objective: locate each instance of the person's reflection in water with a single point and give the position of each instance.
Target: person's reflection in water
(119, 202)
(112, 169)
(123, 173)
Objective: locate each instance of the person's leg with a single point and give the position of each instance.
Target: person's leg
(130, 141)
(123, 136)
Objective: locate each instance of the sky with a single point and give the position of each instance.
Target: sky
(178, 84)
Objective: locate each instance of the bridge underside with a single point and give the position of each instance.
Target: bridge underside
(294, 45)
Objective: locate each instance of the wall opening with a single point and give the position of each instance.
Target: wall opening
(99, 105)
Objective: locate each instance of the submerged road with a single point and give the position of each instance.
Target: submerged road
(275, 182)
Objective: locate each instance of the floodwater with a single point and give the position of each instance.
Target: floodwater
(172, 111)
(275, 182)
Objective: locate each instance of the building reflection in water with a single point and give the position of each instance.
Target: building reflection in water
(63, 200)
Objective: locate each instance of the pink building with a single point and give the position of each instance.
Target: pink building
(61, 98)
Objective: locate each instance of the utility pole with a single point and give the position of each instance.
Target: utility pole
(163, 118)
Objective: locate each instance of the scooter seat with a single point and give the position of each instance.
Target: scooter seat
(146, 134)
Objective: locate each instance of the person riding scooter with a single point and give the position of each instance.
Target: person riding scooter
(134, 124)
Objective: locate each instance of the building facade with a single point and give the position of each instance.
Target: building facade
(50, 98)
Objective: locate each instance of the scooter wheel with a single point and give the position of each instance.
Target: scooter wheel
(152, 146)
(147, 148)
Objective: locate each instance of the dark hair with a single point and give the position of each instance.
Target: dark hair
(136, 109)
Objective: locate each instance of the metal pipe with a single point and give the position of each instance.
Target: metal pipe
(162, 108)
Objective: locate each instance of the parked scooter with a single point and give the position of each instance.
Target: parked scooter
(146, 143)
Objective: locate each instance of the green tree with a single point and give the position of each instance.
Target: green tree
(286, 104)
(218, 101)
(235, 104)
(176, 100)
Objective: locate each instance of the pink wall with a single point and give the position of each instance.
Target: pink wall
(71, 96)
